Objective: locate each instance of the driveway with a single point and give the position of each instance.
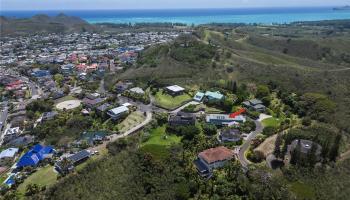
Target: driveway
(244, 147)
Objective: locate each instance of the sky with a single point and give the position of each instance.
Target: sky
(158, 4)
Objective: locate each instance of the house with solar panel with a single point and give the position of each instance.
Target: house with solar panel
(34, 156)
(67, 164)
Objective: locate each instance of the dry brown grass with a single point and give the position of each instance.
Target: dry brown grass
(267, 147)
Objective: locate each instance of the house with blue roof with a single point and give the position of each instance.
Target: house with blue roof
(214, 96)
(198, 96)
(41, 73)
(35, 155)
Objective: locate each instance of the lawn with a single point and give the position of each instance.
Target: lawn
(158, 142)
(44, 177)
(65, 98)
(273, 122)
(130, 121)
(167, 101)
(302, 190)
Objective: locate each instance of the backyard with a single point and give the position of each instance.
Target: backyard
(271, 122)
(159, 141)
(43, 177)
(167, 101)
(130, 121)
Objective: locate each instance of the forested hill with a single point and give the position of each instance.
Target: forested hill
(43, 24)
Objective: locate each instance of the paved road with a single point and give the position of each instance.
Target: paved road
(115, 137)
(3, 119)
(184, 106)
(244, 147)
(101, 88)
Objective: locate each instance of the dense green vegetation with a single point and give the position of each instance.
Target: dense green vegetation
(127, 173)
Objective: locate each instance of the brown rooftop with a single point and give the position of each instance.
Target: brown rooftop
(216, 154)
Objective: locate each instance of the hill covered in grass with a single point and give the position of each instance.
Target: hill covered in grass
(299, 58)
(43, 24)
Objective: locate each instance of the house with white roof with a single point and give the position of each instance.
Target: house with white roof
(8, 155)
(175, 90)
(118, 112)
(10, 134)
(137, 90)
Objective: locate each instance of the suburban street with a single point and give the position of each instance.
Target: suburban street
(244, 147)
(3, 118)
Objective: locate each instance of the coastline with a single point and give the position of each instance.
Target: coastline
(198, 16)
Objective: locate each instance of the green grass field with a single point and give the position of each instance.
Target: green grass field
(44, 177)
(302, 190)
(130, 121)
(169, 102)
(65, 98)
(159, 141)
(273, 122)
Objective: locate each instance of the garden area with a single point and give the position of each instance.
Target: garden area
(158, 142)
(130, 121)
(271, 122)
(167, 101)
(43, 177)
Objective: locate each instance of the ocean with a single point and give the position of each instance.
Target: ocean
(198, 16)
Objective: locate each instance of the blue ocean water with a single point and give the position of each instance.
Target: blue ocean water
(198, 16)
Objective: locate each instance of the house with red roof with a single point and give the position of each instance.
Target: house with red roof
(213, 158)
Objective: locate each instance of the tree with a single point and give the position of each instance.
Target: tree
(306, 121)
(59, 79)
(32, 189)
(278, 144)
(209, 129)
(262, 91)
(334, 151)
(234, 87)
(66, 90)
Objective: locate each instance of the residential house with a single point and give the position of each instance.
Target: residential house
(73, 160)
(46, 116)
(103, 108)
(137, 90)
(175, 90)
(8, 155)
(120, 87)
(40, 73)
(92, 137)
(230, 135)
(35, 155)
(21, 141)
(211, 159)
(11, 134)
(213, 96)
(305, 147)
(93, 100)
(254, 104)
(224, 119)
(198, 96)
(182, 119)
(118, 112)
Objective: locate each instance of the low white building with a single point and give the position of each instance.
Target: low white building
(118, 112)
(10, 134)
(175, 90)
(137, 90)
(8, 155)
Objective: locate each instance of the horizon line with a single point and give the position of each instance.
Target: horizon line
(188, 8)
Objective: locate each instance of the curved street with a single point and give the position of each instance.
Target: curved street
(244, 147)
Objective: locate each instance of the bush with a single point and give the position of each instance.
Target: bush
(306, 121)
(209, 129)
(268, 131)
